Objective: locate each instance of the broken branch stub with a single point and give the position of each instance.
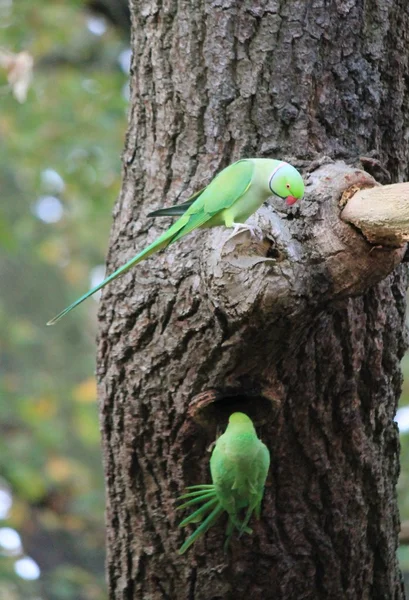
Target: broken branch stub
(381, 213)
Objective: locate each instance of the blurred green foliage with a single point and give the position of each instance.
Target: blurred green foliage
(64, 141)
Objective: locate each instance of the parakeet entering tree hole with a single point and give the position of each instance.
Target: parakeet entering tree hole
(238, 466)
(229, 199)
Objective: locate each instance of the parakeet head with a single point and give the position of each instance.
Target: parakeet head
(286, 182)
(239, 418)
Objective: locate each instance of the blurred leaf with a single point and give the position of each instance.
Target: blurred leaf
(19, 69)
(86, 391)
(61, 469)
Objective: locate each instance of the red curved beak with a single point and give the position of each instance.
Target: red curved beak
(290, 200)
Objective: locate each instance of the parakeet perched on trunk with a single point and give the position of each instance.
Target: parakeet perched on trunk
(229, 199)
(238, 466)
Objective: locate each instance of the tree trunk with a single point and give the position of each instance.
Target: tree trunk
(303, 331)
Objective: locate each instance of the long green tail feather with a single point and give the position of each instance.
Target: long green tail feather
(196, 500)
(246, 520)
(249, 512)
(257, 510)
(207, 523)
(200, 487)
(199, 513)
(196, 493)
(229, 532)
(161, 242)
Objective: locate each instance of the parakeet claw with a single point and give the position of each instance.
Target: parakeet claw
(255, 231)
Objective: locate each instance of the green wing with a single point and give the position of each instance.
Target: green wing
(226, 188)
(221, 193)
(263, 472)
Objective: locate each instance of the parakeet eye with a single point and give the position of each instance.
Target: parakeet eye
(287, 186)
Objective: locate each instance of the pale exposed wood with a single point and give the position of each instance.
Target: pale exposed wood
(381, 213)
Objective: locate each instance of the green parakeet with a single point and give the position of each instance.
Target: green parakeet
(229, 199)
(238, 466)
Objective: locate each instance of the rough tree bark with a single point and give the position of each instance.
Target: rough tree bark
(303, 331)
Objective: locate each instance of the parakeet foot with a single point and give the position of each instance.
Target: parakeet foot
(255, 231)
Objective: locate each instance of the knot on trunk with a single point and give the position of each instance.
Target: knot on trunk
(309, 256)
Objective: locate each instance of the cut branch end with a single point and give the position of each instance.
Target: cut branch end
(381, 213)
